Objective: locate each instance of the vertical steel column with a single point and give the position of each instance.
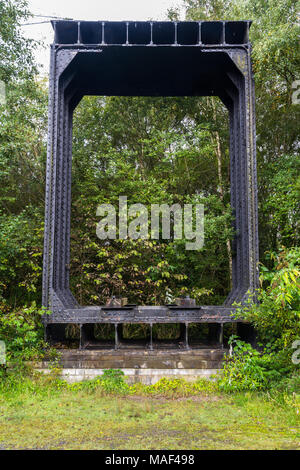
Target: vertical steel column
(151, 337)
(117, 342)
(187, 336)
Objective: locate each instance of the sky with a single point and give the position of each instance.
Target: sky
(116, 10)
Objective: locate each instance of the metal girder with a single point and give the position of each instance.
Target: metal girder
(149, 59)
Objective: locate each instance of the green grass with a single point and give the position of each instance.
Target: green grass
(38, 415)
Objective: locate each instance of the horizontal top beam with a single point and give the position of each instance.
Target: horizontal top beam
(151, 33)
(145, 314)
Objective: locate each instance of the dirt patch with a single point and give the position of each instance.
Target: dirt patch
(165, 399)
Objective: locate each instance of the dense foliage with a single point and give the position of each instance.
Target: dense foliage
(141, 148)
(276, 316)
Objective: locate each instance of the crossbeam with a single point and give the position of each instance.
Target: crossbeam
(153, 33)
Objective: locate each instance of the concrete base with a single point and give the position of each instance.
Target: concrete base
(138, 365)
(145, 376)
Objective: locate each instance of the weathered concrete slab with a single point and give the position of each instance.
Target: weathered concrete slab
(139, 359)
(145, 376)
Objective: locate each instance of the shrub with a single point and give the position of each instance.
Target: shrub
(175, 388)
(243, 371)
(22, 331)
(276, 316)
(250, 369)
(111, 382)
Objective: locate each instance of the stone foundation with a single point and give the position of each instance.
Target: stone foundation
(138, 366)
(145, 376)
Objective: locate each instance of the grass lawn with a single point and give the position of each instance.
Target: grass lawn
(64, 419)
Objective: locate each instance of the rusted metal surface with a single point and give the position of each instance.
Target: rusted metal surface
(144, 314)
(149, 59)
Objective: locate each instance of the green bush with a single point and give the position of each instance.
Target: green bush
(276, 316)
(243, 370)
(111, 382)
(250, 369)
(22, 331)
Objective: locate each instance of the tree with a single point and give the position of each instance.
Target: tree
(153, 150)
(274, 35)
(22, 159)
(16, 52)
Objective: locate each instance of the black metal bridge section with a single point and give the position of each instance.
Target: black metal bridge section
(148, 59)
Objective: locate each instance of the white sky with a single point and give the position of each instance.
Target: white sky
(117, 10)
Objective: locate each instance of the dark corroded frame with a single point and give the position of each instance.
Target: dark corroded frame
(148, 59)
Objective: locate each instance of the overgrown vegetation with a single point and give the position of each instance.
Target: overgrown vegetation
(276, 316)
(106, 413)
